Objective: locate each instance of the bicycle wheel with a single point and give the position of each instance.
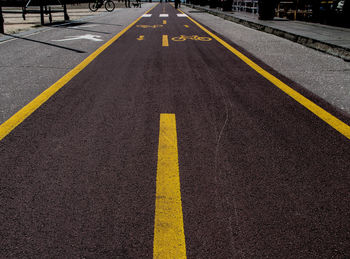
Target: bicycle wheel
(93, 6)
(181, 38)
(204, 39)
(109, 5)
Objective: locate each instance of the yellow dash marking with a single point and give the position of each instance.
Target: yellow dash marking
(169, 236)
(165, 42)
(27, 110)
(187, 26)
(331, 120)
(164, 21)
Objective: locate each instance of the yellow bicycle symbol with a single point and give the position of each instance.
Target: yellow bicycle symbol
(193, 37)
(150, 26)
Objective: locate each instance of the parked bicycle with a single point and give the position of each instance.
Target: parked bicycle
(95, 5)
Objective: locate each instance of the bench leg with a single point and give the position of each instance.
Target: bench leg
(66, 17)
(24, 13)
(42, 15)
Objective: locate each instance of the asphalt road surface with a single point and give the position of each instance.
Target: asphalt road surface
(95, 172)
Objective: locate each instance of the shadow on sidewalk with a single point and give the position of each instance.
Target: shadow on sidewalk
(45, 43)
(72, 26)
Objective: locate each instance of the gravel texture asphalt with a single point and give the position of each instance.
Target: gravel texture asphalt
(261, 176)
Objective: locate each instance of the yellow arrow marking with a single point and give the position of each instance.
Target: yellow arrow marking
(141, 37)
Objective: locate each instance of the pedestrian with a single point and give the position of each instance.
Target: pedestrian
(176, 4)
(127, 4)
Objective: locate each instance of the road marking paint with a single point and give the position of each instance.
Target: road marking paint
(82, 37)
(192, 37)
(149, 26)
(27, 110)
(187, 26)
(11, 38)
(165, 42)
(181, 15)
(164, 21)
(141, 37)
(331, 120)
(164, 15)
(146, 15)
(169, 235)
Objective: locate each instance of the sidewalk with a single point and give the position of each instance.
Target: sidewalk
(332, 40)
(14, 22)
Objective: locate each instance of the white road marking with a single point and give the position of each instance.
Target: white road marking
(85, 26)
(82, 37)
(181, 15)
(25, 36)
(164, 15)
(147, 15)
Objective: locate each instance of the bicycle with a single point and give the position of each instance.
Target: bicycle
(149, 26)
(193, 37)
(95, 5)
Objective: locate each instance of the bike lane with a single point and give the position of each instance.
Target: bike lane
(260, 175)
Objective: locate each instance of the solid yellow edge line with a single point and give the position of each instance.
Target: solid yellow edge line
(334, 122)
(165, 42)
(27, 110)
(169, 236)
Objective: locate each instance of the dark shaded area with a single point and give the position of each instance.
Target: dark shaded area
(71, 26)
(45, 43)
(21, 3)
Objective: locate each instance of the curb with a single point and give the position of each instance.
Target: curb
(325, 47)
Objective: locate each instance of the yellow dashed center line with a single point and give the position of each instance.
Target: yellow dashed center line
(169, 235)
(164, 21)
(165, 41)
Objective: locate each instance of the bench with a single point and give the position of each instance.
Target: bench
(31, 7)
